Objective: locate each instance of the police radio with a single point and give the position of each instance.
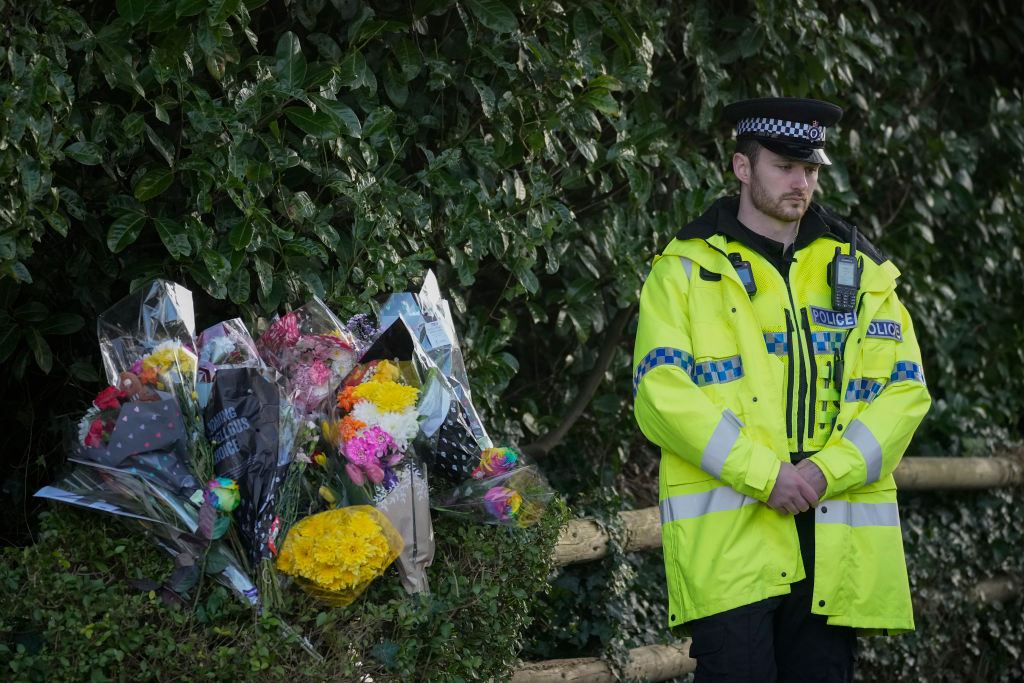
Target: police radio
(844, 274)
(743, 270)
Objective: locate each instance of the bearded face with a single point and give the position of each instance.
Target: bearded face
(781, 188)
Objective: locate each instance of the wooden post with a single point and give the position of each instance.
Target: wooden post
(652, 663)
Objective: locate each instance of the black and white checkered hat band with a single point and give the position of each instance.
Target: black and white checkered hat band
(779, 128)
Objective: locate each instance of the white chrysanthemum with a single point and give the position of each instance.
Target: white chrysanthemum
(401, 426)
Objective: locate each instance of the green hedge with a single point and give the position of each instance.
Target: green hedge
(536, 155)
(69, 613)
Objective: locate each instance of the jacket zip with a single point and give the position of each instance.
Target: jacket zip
(789, 383)
(803, 376)
(813, 409)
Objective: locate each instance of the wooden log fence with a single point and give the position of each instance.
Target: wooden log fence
(585, 540)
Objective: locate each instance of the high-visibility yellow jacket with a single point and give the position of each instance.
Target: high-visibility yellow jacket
(729, 385)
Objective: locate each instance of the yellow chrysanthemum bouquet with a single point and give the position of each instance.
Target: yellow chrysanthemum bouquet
(334, 555)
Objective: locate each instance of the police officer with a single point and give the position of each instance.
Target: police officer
(779, 373)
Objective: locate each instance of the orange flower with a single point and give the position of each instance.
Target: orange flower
(148, 375)
(349, 427)
(346, 400)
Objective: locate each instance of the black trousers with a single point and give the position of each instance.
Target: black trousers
(776, 640)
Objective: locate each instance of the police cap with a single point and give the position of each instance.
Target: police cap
(791, 126)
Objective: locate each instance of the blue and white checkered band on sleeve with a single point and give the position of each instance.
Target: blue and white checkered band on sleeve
(907, 370)
(862, 389)
(662, 355)
(777, 343)
(827, 342)
(717, 371)
(763, 125)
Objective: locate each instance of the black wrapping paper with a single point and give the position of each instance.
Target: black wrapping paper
(242, 419)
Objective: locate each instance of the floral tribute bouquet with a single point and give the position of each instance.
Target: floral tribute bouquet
(371, 434)
(139, 451)
(313, 351)
(488, 484)
(334, 555)
(255, 435)
(503, 489)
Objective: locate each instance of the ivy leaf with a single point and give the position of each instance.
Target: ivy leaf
(183, 578)
(219, 12)
(173, 235)
(341, 113)
(265, 275)
(352, 70)
(82, 371)
(239, 289)
(290, 64)
(88, 153)
(40, 350)
(217, 266)
(189, 8)
(131, 10)
(241, 234)
(20, 272)
(144, 585)
(61, 323)
(316, 123)
(494, 15)
(216, 562)
(410, 59)
(153, 183)
(124, 231)
(32, 312)
(10, 335)
(602, 100)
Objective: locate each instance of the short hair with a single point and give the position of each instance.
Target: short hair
(750, 148)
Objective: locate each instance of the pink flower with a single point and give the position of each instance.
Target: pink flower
(355, 474)
(374, 472)
(319, 372)
(365, 453)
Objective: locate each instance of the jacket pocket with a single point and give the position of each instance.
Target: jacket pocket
(879, 357)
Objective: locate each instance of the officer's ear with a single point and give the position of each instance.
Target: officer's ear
(741, 167)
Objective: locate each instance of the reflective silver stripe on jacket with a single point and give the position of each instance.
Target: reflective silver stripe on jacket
(870, 449)
(687, 266)
(720, 444)
(856, 514)
(693, 505)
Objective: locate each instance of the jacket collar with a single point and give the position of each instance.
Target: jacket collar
(704, 241)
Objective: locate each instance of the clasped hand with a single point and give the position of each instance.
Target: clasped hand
(797, 488)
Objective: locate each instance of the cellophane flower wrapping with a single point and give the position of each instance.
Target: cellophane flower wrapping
(335, 554)
(143, 435)
(372, 433)
(145, 507)
(429, 319)
(313, 351)
(503, 489)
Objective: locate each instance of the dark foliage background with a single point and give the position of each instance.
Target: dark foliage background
(536, 155)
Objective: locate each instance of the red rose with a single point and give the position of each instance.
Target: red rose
(95, 436)
(108, 398)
